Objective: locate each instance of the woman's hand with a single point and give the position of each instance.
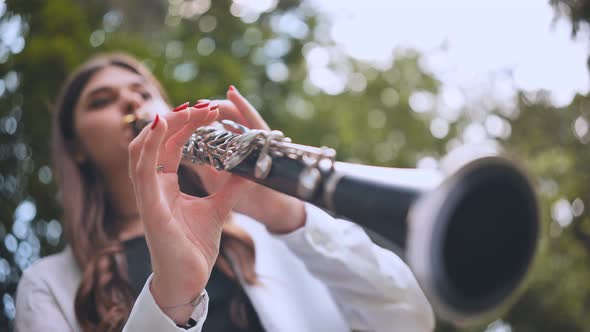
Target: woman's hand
(182, 232)
(278, 212)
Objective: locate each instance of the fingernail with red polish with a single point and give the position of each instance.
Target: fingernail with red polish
(181, 107)
(156, 120)
(202, 104)
(232, 88)
(213, 107)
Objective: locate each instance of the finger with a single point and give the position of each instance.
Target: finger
(213, 113)
(229, 111)
(148, 189)
(198, 117)
(176, 119)
(171, 151)
(134, 150)
(246, 109)
(231, 193)
(211, 178)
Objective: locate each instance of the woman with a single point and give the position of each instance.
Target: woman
(141, 251)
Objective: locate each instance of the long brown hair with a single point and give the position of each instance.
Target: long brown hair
(105, 297)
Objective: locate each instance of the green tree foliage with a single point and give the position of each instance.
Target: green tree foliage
(379, 116)
(554, 144)
(578, 12)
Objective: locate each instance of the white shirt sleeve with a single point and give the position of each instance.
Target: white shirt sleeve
(374, 288)
(147, 316)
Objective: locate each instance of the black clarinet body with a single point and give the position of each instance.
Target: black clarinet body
(469, 237)
(378, 206)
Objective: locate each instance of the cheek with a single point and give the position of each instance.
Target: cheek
(91, 127)
(101, 136)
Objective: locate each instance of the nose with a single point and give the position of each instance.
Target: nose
(132, 101)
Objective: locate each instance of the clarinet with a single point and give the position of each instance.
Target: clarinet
(469, 238)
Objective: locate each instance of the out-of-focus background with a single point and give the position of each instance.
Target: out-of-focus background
(391, 83)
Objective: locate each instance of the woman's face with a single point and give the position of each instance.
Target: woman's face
(112, 93)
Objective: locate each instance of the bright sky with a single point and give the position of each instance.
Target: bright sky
(467, 42)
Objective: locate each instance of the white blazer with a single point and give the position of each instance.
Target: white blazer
(326, 276)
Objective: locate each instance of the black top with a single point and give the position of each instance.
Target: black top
(220, 288)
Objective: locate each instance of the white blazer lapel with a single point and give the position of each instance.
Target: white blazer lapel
(272, 296)
(287, 297)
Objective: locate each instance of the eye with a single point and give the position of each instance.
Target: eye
(146, 95)
(99, 102)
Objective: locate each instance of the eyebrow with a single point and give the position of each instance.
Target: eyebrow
(103, 89)
(97, 91)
